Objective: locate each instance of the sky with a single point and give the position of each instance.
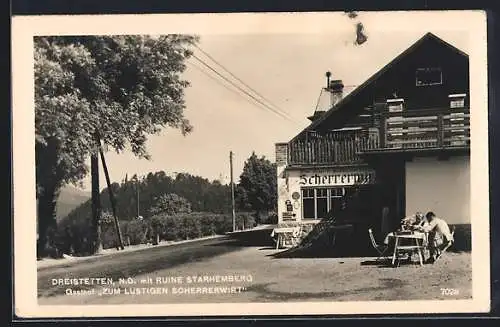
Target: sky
(287, 69)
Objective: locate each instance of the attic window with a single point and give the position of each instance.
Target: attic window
(429, 76)
(395, 105)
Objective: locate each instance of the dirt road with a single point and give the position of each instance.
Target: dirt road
(221, 272)
(131, 264)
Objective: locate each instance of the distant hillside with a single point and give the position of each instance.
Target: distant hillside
(202, 194)
(69, 199)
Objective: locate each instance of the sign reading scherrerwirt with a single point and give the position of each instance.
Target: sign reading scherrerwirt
(336, 178)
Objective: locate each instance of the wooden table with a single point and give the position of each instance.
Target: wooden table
(417, 238)
(284, 233)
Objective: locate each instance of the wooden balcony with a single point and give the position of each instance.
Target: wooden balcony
(395, 131)
(330, 149)
(426, 129)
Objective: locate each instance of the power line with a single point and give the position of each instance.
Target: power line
(225, 86)
(239, 80)
(241, 89)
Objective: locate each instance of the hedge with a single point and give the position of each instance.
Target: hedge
(74, 238)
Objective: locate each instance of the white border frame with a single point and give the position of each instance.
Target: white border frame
(23, 30)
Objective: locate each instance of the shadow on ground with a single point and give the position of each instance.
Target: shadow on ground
(259, 237)
(131, 264)
(266, 293)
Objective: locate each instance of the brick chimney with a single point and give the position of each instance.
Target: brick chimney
(281, 151)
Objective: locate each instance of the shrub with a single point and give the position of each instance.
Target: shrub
(208, 224)
(168, 227)
(135, 231)
(245, 220)
(272, 218)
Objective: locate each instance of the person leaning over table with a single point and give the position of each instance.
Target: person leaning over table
(412, 221)
(439, 234)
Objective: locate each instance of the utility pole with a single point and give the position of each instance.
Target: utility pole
(96, 203)
(232, 190)
(111, 196)
(137, 191)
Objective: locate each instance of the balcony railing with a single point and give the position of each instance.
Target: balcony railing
(328, 149)
(424, 129)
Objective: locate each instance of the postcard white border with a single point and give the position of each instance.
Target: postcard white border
(25, 27)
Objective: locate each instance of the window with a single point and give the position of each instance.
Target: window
(317, 202)
(308, 204)
(321, 203)
(429, 76)
(395, 105)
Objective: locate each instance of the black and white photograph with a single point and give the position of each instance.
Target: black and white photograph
(250, 164)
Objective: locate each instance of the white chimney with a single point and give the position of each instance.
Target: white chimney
(336, 89)
(329, 97)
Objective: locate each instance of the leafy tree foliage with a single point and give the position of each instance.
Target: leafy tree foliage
(88, 89)
(166, 205)
(257, 188)
(170, 204)
(203, 196)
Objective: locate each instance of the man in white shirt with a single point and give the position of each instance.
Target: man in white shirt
(439, 235)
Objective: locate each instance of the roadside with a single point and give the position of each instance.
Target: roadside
(68, 260)
(260, 277)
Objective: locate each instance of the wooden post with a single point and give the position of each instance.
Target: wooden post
(112, 199)
(440, 130)
(232, 190)
(96, 203)
(137, 193)
(382, 131)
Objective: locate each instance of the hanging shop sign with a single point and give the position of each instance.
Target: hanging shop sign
(289, 214)
(337, 178)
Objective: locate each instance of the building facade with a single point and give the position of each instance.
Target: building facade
(397, 144)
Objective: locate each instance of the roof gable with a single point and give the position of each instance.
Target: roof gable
(341, 105)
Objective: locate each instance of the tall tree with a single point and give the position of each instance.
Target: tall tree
(257, 188)
(170, 204)
(114, 89)
(166, 204)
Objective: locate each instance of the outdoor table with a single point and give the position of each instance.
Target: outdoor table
(284, 233)
(417, 238)
(391, 235)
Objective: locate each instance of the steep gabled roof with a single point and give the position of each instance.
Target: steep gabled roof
(342, 104)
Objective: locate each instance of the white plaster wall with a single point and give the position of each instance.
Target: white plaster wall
(282, 191)
(439, 186)
(289, 182)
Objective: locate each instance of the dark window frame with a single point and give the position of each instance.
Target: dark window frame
(428, 70)
(331, 193)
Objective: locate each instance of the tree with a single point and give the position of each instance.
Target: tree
(170, 204)
(257, 188)
(166, 205)
(92, 89)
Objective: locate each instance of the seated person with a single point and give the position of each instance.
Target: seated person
(439, 235)
(413, 222)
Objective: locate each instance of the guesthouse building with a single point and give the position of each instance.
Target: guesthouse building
(397, 144)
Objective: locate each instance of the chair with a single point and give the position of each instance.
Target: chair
(450, 243)
(381, 249)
